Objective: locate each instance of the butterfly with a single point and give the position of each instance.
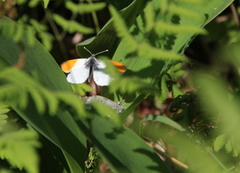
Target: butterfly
(85, 69)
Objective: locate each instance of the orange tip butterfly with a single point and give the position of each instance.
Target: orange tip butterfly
(85, 69)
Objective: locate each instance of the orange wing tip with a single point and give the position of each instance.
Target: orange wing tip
(68, 65)
(120, 67)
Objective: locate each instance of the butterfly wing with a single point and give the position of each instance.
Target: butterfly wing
(120, 67)
(77, 69)
(100, 77)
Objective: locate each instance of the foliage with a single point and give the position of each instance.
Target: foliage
(3, 110)
(149, 37)
(16, 143)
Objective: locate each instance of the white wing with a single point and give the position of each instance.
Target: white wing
(100, 77)
(79, 73)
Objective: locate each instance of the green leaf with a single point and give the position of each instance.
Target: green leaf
(84, 8)
(81, 89)
(71, 26)
(149, 70)
(46, 2)
(228, 146)
(15, 145)
(73, 101)
(177, 10)
(33, 3)
(219, 142)
(224, 107)
(162, 27)
(10, 30)
(163, 119)
(149, 17)
(176, 90)
(59, 129)
(40, 95)
(132, 155)
(163, 90)
(131, 85)
(3, 110)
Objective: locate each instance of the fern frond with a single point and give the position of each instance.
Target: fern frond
(37, 26)
(122, 30)
(174, 9)
(85, 8)
(14, 146)
(37, 97)
(149, 17)
(164, 28)
(43, 99)
(18, 34)
(47, 39)
(72, 101)
(51, 100)
(30, 36)
(176, 71)
(9, 91)
(15, 32)
(71, 26)
(21, 2)
(131, 85)
(163, 90)
(176, 90)
(178, 74)
(33, 3)
(236, 148)
(176, 67)
(228, 146)
(81, 89)
(163, 5)
(3, 110)
(42, 32)
(219, 142)
(146, 50)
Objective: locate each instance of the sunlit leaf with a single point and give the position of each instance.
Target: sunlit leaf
(15, 145)
(165, 120)
(84, 8)
(71, 26)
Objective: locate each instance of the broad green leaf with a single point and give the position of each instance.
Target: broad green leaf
(165, 120)
(186, 146)
(59, 129)
(122, 149)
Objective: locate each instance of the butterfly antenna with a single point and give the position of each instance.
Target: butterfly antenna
(101, 52)
(96, 53)
(88, 51)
